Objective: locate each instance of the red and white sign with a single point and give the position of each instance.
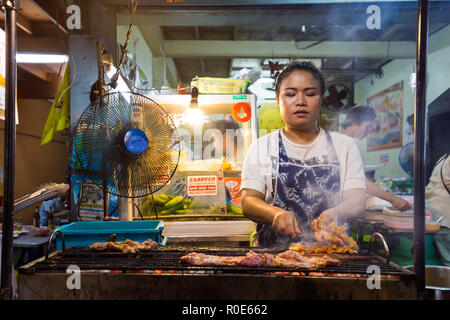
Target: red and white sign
(202, 185)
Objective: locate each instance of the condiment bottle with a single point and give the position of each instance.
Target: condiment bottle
(36, 217)
(51, 219)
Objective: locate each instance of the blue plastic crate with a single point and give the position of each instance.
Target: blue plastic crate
(79, 234)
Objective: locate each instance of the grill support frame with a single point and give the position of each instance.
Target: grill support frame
(210, 287)
(208, 283)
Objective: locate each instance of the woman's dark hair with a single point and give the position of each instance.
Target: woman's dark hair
(300, 66)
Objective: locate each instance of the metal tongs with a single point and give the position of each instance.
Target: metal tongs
(45, 192)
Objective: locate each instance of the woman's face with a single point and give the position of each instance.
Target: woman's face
(300, 100)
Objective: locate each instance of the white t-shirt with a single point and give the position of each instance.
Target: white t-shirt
(437, 197)
(260, 162)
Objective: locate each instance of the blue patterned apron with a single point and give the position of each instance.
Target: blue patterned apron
(305, 188)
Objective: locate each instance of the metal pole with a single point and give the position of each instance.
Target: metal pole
(10, 122)
(419, 148)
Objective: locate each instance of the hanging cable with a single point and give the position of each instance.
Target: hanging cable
(115, 77)
(139, 210)
(154, 207)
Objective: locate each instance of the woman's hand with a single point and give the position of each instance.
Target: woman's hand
(285, 223)
(328, 216)
(400, 204)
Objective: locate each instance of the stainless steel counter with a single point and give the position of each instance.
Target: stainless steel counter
(228, 233)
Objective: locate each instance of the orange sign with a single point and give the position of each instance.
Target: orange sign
(242, 112)
(233, 184)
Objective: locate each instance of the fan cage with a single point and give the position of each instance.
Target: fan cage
(101, 154)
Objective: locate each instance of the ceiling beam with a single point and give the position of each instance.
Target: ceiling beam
(35, 88)
(40, 44)
(25, 24)
(202, 61)
(155, 41)
(51, 8)
(230, 18)
(286, 49)
(22, 22)
(35, 70)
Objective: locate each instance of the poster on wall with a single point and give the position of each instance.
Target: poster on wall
(388, 106)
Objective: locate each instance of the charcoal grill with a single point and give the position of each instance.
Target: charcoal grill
(160, 275)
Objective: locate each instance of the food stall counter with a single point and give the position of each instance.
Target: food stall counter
(217, 233)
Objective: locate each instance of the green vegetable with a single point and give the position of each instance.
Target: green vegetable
(234, 209)
(159, 200)
(182, 211)
(171, 210)
(175, 201)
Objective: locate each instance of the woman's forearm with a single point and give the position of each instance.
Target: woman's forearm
(376, 191)
(353, 204)
(258, 210)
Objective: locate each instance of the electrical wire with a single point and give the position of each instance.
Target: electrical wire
(125, 78)
(139, 210)
(133, 5)
(71, 59)
(154, 207)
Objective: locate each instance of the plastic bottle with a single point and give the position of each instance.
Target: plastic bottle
(36, 217)
(51, 219)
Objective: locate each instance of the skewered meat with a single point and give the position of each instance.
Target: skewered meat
(286, 259)
(201, 259)
(314, 247)
(251, 259)
(127, 246)
(332, 234)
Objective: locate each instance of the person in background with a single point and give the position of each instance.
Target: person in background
(300, 172)
(219, 146)
(437, 199)
(56, 206)
(359, 122)
(437, 192)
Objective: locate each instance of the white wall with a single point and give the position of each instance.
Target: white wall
(144, 56)
(438, 66)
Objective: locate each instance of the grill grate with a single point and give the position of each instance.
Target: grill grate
(168, 259)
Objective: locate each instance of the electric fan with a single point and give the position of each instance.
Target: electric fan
(129, 142)
(406, 158)
(337, 97)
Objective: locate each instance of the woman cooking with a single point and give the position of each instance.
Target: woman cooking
(300, 172)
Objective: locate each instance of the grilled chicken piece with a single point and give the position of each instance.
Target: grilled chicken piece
(127, 246)
(99, 246)
(148, 245)
(251, 259)
(332, 233)
(201, 259)
(315, 247)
